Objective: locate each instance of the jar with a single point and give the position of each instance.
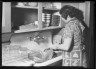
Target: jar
(57, 5)
(20, 4)
(33, 4)
(48, 5)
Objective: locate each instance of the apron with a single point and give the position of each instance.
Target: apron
(76, 56)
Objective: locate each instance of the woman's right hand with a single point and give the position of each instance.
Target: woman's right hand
(53, 46)
(47, 49)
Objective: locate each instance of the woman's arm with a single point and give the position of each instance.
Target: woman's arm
(68, 33)
(67, 36)
(66, 44)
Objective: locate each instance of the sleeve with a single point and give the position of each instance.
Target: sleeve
(69, 30)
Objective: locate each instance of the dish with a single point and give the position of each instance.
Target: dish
(39, 56)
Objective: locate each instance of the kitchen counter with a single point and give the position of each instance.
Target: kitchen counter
(19, 63)
(22, 39)
(32, 63)
(49, 62)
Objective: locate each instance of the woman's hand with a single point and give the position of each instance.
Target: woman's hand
(54, 46)
(51, 47)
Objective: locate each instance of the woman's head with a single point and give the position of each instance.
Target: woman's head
(70, 11)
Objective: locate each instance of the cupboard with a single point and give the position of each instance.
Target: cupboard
(18, 15)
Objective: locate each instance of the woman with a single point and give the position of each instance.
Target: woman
(72, 38)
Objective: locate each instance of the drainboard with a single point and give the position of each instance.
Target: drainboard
(8, 60)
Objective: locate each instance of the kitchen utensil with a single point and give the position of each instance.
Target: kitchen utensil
(55, 20)
(46, 18)
(20, 4)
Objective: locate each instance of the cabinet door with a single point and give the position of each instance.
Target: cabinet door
(40, 15)
(6, 17)
(25, 15)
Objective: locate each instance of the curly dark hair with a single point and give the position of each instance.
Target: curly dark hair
(72, 12)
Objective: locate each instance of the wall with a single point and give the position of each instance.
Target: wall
(23, 39)
(85, 7)
(23, 16)
(6, 17)
(91, 36)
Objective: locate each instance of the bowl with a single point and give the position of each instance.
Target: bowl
(40, 56)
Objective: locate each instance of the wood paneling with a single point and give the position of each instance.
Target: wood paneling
(6, 37)
(40, 15)
(6, 17)
(87, 16)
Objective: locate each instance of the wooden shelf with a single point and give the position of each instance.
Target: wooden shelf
(37, 29)
(53, 9)
(29, 7)
(25, 7)
(40, 9)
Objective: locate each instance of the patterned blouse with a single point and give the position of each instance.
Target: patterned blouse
(76, 56)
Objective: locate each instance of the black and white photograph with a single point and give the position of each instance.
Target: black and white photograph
(37, 34)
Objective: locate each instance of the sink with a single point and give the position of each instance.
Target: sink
(52, 62)
(55, 61)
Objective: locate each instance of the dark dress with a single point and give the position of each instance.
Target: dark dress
(76, 56)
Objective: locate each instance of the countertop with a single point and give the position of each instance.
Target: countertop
(19, 63)
(30, 63)
(49, 61)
